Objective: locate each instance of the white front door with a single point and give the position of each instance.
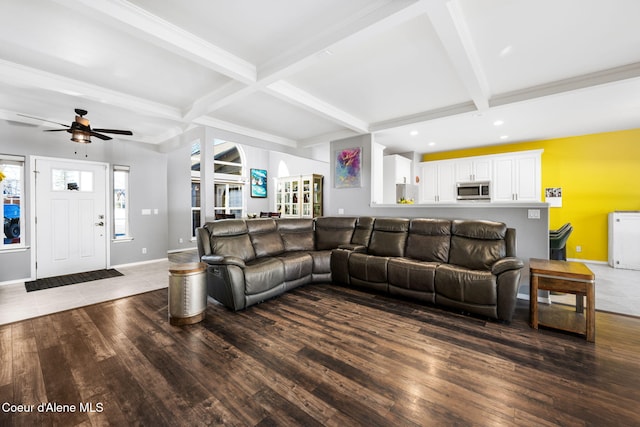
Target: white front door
(71, 223)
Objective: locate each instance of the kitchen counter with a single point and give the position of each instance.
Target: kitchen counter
(467, 205)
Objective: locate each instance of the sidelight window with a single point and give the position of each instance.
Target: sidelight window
(121, 203)
(12, 186)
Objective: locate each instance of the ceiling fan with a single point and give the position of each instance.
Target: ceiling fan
(80, 129)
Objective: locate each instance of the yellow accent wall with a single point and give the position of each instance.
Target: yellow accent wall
(598, 174)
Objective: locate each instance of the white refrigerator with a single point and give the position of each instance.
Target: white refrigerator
(624, 239)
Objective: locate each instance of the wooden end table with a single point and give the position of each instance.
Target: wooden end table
(566, 277)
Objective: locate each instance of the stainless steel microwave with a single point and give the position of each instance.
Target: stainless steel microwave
(477, 190)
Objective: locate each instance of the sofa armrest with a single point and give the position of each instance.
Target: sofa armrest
(353, 247)
(223, 260)
(203, 242)
(506, 264)
(212, 259)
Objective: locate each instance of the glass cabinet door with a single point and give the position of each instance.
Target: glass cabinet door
(299, 196)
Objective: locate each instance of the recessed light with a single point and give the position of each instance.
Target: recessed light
(414, 133)
(504, 137)
(498, 123)
(431, 144)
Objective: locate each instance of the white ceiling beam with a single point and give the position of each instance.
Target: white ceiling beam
(305, 100)
(424, 116)
(218, 98)
(372, 20)
(326, 138)
(20, 75)
(612, 75)
(368, 22)
(448, 21)
(232, 127)
(156, 30)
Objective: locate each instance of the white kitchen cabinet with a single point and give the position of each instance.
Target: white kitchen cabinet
(474, 169)
(516, 177)
(396, 170)
(624, 235)
(438, 182)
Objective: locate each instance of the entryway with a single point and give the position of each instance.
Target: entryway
(70, 211)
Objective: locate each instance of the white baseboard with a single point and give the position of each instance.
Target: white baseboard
(13, 282)
(544, 300)
(173, 251)
(588, 261)
(132, 264)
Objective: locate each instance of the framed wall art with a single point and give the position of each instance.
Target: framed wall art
(258, 183)
(348, 165)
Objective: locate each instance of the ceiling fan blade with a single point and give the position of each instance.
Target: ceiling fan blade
(99, 135)
(41, 119)
(57, 130)
(116, 131)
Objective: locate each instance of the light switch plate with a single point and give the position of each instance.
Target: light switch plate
(533, 214)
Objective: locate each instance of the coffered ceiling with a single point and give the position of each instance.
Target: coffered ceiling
(422, 75)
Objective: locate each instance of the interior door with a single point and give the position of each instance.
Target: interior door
(70, 217)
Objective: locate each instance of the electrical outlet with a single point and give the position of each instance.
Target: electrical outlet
(578, 248)
(533, 214)
(144, 250)
(181, 240)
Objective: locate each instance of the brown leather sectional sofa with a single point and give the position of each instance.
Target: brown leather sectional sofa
(465, 264)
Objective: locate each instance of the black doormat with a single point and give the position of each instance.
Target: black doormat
(70, 279)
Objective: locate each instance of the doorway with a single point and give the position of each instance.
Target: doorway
(70, 216)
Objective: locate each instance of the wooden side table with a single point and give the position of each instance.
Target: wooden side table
(566, 277)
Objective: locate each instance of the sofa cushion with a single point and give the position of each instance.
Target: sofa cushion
(265, 238)
(429, 239)
(332, 232)
(297, 234)
(389, 237)
(368, 268)
(230, 238)
(263, 274)
(464, 285)
(477, 244)
(362, 233)
(296, 265)
(321, 262)
(411, 274)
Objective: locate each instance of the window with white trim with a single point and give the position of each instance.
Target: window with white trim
(12, 187)
(195, 188)
(121, 203)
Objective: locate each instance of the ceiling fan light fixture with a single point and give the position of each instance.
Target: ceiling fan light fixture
(80, 137)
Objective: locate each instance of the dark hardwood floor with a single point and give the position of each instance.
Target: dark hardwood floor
(318, 355)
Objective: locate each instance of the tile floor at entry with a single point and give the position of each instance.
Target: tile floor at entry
(617, 290)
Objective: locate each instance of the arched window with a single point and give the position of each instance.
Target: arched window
(228, 165)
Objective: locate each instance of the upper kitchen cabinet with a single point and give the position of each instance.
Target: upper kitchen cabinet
(473, 169)
(517, 177)
(513, 177)
(438, 182)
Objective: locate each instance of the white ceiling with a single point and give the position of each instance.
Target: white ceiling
(304, 72)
